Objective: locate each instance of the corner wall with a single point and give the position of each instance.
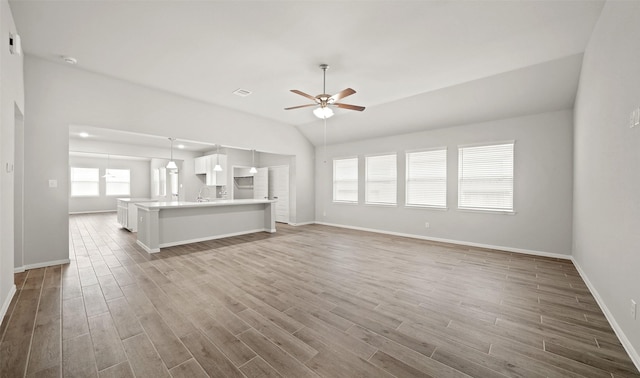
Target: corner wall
(11, 103)
(543, 187)
(59, 96)
(606, 218)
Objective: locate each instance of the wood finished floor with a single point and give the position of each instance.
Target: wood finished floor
(307, 301)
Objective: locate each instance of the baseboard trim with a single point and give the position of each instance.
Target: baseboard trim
(7, 301)
(147, 249)
(91, 212)
(631, 351)
(198, 240)
(452, 241)
(21, 269)
(302, 223)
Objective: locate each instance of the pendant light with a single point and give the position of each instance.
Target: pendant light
(106, 172)
(172, 164)
(217, 168)
(253, 162)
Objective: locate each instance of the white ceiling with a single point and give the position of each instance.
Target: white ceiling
(414, 64)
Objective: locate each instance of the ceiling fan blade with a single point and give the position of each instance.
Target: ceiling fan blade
(300, 106)
(310, 97)
(342, 94)
(350, 107)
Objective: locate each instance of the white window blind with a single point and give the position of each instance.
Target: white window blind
(345, 180)
(485, 177)
(118, 182)
(85, 182)
(381, 183)
(427, 178)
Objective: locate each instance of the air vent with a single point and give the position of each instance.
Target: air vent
(241, 92)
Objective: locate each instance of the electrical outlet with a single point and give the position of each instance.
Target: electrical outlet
(634, 308)
(426, 225)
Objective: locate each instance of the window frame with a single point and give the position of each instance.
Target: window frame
(490, 210)
(367, 181)
(446, 177)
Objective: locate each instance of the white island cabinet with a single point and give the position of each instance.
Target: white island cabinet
(128, 212)
(166, 224)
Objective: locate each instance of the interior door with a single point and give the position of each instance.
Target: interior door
(261, 184)
(279, 190)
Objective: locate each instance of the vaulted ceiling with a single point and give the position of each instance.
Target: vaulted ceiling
(414, 64)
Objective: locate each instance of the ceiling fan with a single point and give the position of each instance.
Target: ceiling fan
(324, 102)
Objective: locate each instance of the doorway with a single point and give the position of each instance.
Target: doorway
(279, 190)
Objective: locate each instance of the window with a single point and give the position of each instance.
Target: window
(118, 182)
(159, 182)
(381, 180)
(345, 180)
(85, 182)
(427, 178)
(485, 177)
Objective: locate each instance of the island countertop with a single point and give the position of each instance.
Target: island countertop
(187, 204)
(167, 224)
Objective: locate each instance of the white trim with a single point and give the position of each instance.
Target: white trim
(91, 212)
(147, 249)
(21, 269)
(302, 223)
(7, 301)
(451, 241)
(197, 240)
(633, 354)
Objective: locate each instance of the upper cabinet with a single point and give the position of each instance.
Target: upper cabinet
(204, 165)
(201, 165)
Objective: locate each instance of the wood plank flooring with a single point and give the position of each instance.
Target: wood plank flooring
(304, 302)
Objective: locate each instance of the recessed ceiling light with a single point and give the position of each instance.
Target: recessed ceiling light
(181, 146)
(84, 135)
(69, 59)
(241, 92)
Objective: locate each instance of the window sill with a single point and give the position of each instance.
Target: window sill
(344, 203)
(425, 207)
(381, 204)
(486, 211)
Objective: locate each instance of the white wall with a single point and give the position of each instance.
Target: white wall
(543, 186)
(11, 102)
(59, 96)
(607, 168)
(139, 176)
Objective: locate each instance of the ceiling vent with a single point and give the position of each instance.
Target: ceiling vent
(241, 92)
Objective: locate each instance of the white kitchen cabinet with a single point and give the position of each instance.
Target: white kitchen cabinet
(217, 178)
(128, 212)
(201, 163)
(204, 165)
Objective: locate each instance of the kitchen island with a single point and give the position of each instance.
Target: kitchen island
(166, 224)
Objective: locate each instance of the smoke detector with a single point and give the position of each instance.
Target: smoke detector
(241, 92)
(69, 59)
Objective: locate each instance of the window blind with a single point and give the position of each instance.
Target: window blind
(118, 182)
(485, 179)
(427, 178)
(345, 180)
(85, 182)
(381, 183)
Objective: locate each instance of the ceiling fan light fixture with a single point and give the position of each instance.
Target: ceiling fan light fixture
(323, 112)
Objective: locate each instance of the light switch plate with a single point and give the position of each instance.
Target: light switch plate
(53, 183)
